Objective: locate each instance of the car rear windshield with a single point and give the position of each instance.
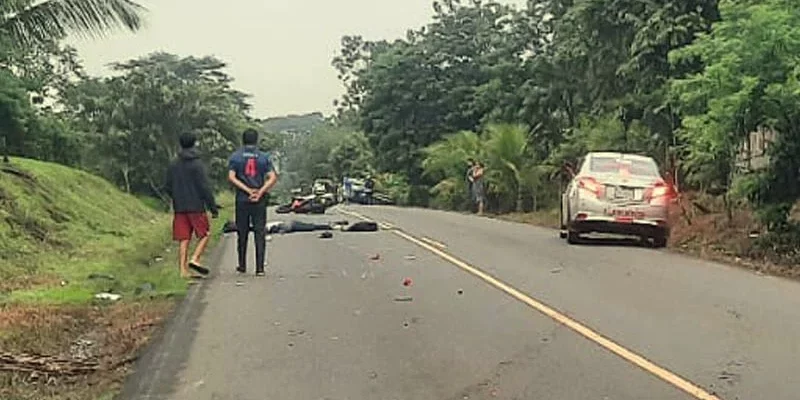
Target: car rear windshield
(614, 165)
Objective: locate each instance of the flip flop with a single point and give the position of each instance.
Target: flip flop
(199, 268)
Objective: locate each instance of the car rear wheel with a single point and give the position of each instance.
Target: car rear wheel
(573, 237)
(660, 241)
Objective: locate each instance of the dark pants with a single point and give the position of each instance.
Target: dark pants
(255, 215)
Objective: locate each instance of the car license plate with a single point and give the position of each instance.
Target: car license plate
(624, 193)
(623, 214)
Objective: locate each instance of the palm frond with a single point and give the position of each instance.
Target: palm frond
(38, 22)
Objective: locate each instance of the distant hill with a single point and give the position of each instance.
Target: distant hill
(294, 123)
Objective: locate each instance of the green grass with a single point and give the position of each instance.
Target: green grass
(63, 225)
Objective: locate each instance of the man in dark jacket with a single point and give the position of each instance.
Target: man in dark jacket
(250, 170)
(187, 185)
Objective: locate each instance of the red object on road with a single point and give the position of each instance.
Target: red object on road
(407, 282)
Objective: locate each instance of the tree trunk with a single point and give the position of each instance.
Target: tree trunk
(519, 197)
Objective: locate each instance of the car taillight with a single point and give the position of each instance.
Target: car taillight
(591, 184)
(660, 192)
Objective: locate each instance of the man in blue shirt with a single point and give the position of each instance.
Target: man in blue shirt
(251, 171)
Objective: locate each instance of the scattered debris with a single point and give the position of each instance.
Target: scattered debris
(405, 325)
(269, 238)
(729, 377)
(158, 259)
(46, 364)
(326, 235)
(373, 375)
(357, 312)
(403, 299)
(460, 291)
(146, 287)
(364, 275)
(735, 314)
(108, 296)
(64, 283)
(410, 257)
(344, 273)
(101, 276)
(375, 257)
(298, 332)
(291, 344)
(314, 275)
(81, 349)
(239, 283)
(407, 282)
(556, 270)
(276, 323)
(334, 338)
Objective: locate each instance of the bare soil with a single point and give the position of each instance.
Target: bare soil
(72, 352)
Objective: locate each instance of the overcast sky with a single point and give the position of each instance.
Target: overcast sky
(279, 51)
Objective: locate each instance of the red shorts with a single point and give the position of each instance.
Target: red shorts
(184, 224)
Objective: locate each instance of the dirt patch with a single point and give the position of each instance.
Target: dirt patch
(548, 219)
(27, 281)
(72, 352)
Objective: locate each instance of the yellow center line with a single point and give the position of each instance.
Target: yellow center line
(626, 354)
(433, 242)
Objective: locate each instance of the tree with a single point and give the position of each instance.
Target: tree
(445, 163)
(509, 163)
(29, 22)
(750, 81)
(135, 118)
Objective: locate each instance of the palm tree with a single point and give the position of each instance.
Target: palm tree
(507, 146)
(446, 161)
(30, 22)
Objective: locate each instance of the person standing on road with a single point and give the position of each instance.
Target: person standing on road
(468, 177)
(348, 189)
(369, 186)
(187, 185)
(251, 171)
(478, 188)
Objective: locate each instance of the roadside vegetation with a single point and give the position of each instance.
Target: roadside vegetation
(707, 88)
(82, 161)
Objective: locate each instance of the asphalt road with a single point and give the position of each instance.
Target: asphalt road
(326, 322)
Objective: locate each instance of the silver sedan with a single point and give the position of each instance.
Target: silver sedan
(616, 193)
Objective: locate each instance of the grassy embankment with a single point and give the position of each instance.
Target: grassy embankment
(65, 236)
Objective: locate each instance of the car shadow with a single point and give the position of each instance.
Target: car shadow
(614, 242)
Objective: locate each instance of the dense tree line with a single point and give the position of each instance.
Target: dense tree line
(124, 127)
(529, 89)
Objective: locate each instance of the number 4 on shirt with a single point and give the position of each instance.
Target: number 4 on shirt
(250, 169)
